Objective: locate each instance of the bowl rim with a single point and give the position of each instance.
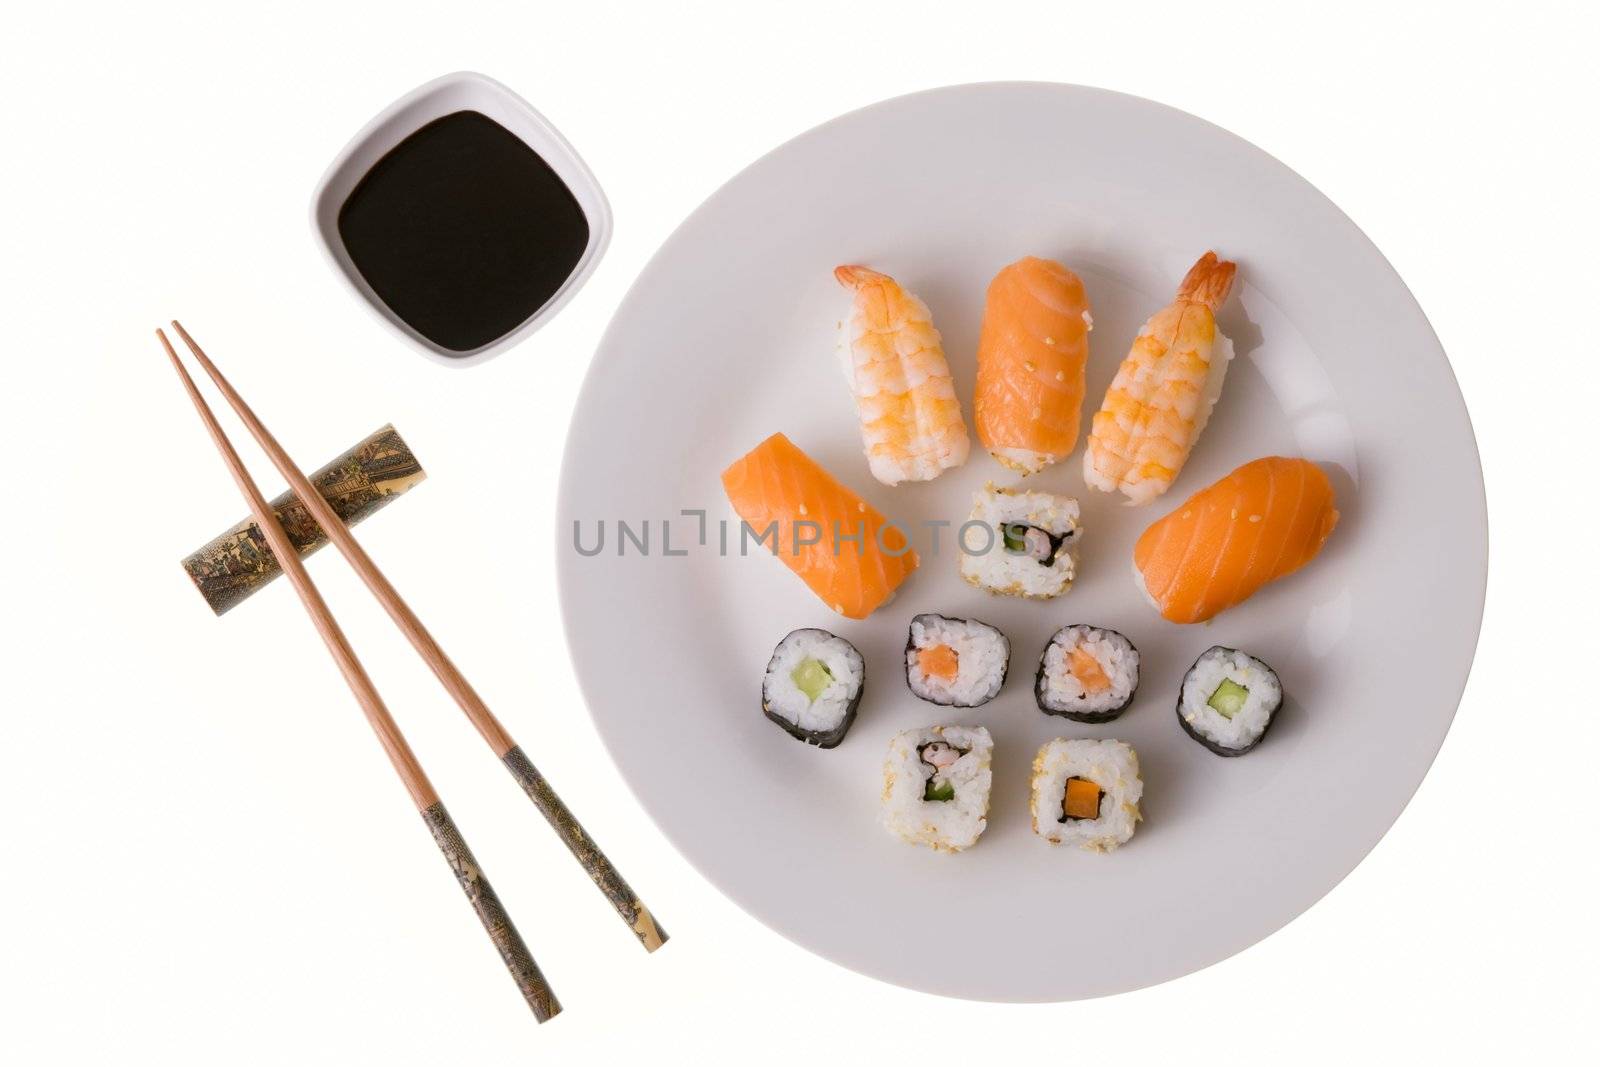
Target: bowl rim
(409, 113)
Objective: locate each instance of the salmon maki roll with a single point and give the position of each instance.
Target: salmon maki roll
(1266, 520)
(840, 546)
(911, 425)
(1032, 351)
(1164, 390)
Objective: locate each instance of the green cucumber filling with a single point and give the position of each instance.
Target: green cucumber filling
(812, 678)
(1015, 536)
(939, 790)
(1229, 698)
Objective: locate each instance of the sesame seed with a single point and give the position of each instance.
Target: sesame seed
(1234, 514)
(803, 510)
(1255, 518)
(839, 608)
(861, 505)
(1027, 366)
(1037, 412)
(1061, 375)
(1049, 340)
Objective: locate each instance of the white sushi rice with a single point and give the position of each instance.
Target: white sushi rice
(1011, 573)
(1024, 460)
(1060, 689)
(943, 825)
(1111, 765)
(1221, 356)
(782, 697)
(1216, 664)
(982, 653)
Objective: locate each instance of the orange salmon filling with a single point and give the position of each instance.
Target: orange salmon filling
(1087, 670)
(939, 662)
(1082, 800)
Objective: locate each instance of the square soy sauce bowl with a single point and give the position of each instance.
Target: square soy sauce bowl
(462, 218)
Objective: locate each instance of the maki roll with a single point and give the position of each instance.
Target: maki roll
(1087, 674)
(955, 662)
(1086, 793)
(813, 685)
(936, 786)
(1228, 700)
(1033, 543)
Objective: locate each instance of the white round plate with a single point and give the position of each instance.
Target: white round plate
(729, 335)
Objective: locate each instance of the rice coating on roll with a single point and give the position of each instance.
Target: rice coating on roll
(1032, 542)
(936, 783)
(1086, 793)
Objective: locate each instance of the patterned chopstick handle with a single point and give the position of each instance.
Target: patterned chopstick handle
(588, 854)
(518, 960)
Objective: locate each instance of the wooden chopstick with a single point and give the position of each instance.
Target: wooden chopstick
(535, 990)
(588, 854)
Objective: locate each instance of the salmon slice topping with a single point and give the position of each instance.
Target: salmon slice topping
(1264, 521)
(844, 549)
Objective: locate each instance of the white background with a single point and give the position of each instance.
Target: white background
(207, 859)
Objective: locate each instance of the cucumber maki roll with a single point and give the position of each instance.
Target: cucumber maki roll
(813, 686)
(1087, 674)
(1228, 700)
(955, 662)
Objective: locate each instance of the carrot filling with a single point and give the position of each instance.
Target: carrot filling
(1088, 672)
(1082, 800)
(939, 661)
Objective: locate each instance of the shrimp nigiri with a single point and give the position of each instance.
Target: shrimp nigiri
(1266, 520)
(1164, 391)
(911, 425)
(1032, 351)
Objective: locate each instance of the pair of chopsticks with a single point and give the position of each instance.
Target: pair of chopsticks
(490, 911)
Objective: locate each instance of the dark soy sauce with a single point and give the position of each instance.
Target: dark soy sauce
(463, 230)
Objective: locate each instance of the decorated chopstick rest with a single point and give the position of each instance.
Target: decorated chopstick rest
(232, 566)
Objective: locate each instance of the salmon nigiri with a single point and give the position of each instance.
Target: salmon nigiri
(1164, 390)
(911, 425)
(1032, 351)
(841, 546)
(1267, 519)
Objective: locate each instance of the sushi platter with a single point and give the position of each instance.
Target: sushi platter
(1139, 449)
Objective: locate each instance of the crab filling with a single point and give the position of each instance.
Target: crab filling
(1081, 800)
(1042, 546)
(939, 757)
